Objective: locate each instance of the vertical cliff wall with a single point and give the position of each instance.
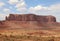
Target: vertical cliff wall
(30, 17)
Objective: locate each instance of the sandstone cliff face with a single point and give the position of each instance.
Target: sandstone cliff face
(3, 25)
(30, 17)
(28, 21)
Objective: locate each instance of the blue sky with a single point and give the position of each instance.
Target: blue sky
(39, 7)
(41, 2)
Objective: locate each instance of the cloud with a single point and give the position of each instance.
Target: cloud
(2, 4)
(55, 7)
(6, 10)
(12, 2)
(21, 7)
(37, 9)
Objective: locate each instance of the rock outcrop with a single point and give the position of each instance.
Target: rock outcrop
(29, 21)
(30, 17)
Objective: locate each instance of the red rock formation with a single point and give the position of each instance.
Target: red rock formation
(30, 17)
(28, 21)
(3, 25)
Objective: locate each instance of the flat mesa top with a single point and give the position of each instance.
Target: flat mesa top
(30, 14)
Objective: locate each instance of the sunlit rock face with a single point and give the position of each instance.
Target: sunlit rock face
(30, 17)
(29, 21)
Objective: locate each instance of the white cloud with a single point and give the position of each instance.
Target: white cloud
(12, 2)
(38, 9)
(2, 4)
(44, 10)
(55, 7)
(21, 7)
(6, 10)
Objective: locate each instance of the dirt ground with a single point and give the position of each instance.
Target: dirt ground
(29, 35)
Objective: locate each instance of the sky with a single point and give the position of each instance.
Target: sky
(39, 7)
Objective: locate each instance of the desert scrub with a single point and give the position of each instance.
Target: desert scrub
(1, 35)
(12, 36)
(51, 40)
(27, 37)
(34, 38)
(8, 38)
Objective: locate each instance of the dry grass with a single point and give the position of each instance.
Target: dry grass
(28, 35)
